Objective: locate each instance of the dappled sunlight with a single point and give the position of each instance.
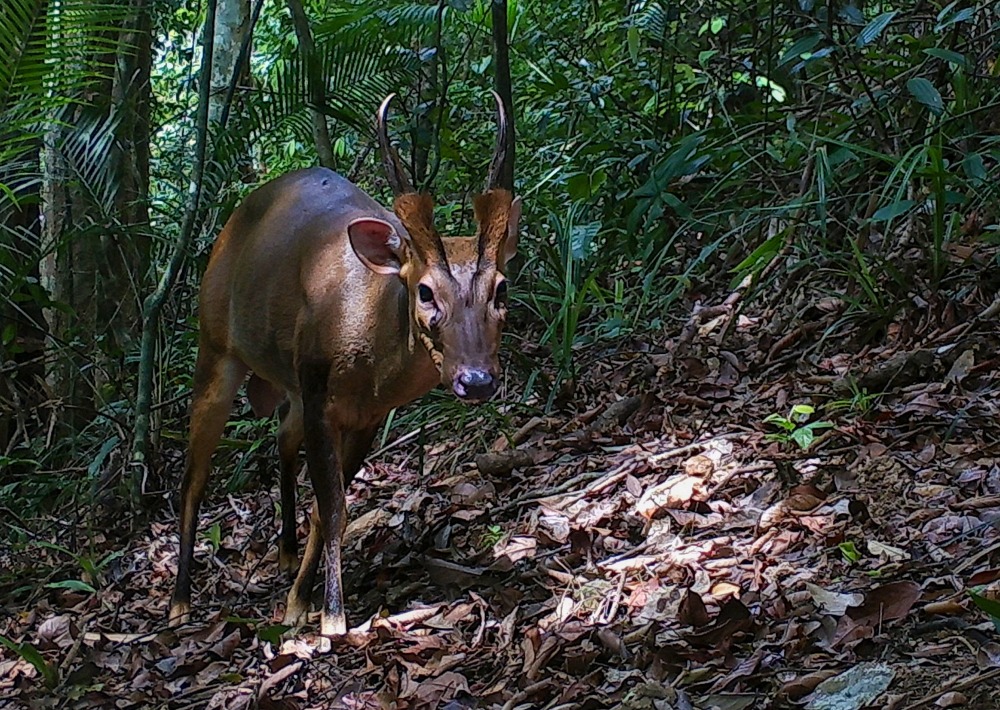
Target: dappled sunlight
(703, 411)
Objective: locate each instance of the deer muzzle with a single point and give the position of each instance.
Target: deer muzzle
(474, 385)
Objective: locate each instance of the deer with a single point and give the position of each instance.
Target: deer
(341, 311)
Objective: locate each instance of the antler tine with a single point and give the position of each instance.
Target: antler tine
(500, 152)
(390, 159)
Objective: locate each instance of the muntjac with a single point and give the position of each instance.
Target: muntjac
(342, 311)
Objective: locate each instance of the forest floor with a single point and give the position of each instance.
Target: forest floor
(651, 547)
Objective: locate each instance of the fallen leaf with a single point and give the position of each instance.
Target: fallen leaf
(56, 632)
(952, 699)
(692, 610)
(883, 604)
(835, 603)
(852, 689)
(675, 492)
(988, 655)
(517, 547)
(801, 686)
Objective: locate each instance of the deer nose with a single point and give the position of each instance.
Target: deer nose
(474, 385)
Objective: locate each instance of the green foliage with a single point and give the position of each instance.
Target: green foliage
(795, 428)
(660, 145)
(49, 672)
(91, 568)
(860, 403)
(987, 604)
(491, 536)
(214, 536)
(849, 551)
(48, 50)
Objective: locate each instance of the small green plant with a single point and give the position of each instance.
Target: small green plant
(214, 536)
(794, 428)
(850, 552)
(986, 603)
(567, 291)
(861, 402)
(493, 535)
(92, 569)
(49, 672)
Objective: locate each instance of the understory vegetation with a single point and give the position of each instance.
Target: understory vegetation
(771, 226)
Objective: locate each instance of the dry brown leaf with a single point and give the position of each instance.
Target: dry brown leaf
(675, 492)
(517, 547)
(804, 497)
(56, 632)
(692, 610)
(699, 466)
(733, 618)
(947, 607)
(883, 604)
(988, 655)
(835, 603)
(952, 699)
(801, 686)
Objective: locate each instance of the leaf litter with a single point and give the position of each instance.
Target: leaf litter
(646, 545)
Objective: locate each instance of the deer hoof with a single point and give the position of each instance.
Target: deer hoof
(296, 613)
(333, 624)
(180, 613)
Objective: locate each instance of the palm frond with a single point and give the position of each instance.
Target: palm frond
(356, 79)
(655, 17)
(385, 23)
(87, 152)
(52, 57)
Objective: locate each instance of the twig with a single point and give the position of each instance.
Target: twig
(987, 314)
(960, 685)
(609, 615)
(406, 438)
(275, 678)
(526, 693)
(602, 479)
(555, 490)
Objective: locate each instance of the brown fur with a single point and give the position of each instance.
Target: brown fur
(416, 211)
(287, 296)
(492, 209)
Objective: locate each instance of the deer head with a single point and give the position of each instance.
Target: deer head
(457, 287)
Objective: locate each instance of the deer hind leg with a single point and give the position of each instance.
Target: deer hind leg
(355, 446)
(290, 435)
(217, 377)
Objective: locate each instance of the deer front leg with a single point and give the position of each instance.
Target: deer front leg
(323, 455)
(355, 447)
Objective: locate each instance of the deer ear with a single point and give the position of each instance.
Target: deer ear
(510, 242)
(376, 244)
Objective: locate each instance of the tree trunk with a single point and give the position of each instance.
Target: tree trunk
(22, 325)
(66, 272)
(314, 77)
(128, 248)
(429, 111)
(232, 24)
(97, 246)
(502, 62)
(153, 304)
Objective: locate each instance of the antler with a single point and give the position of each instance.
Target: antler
(500, 151)
(390, 158)
(414, 209)
(492, 208)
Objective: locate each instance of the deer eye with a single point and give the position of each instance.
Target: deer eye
(425, 294)
(500, 298)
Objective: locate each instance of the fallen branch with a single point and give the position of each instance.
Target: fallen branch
(503, 462)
